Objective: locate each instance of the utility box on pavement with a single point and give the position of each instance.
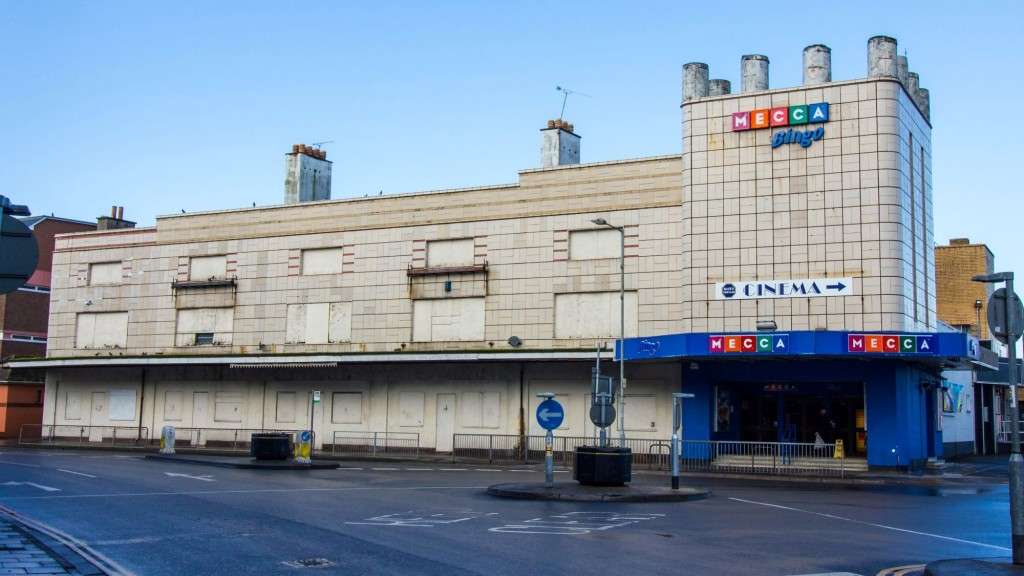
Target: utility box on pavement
(600, 466)
(271, 446)
(167, 440)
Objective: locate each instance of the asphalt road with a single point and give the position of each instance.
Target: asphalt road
(162, 518)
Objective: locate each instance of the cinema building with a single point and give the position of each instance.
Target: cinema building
(781, 269)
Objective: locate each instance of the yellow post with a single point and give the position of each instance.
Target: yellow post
(840, 453)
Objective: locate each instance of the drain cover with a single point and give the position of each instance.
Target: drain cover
(309, 563)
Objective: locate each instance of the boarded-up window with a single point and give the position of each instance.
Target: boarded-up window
(410, 409)
(594, 244)
(480, 409)
(593, 315)
(101, 330)
(321, 261)
(285, 407)
(227, 407)
(122, 405)
(641, 413)
(207, 267)
(73, 405)
(447, 253)
(173, 403)
(105, 273)
(319, 323)
(448, 320)
(216, 321)
(347, 408)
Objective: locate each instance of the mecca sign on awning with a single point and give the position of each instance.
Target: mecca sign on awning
(799, 288)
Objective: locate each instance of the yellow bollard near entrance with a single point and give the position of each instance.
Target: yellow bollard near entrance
(840, 453)
(303, 447)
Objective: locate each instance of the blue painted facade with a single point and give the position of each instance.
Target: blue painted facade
(899, 391)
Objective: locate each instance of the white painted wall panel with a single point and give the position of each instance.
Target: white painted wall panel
(73, 405)
(347, 408)
(455, 319)
(295, 332)
(410, 409)
(194, 320)
(121, 404)
(594, 244)
(174, 401)
(641, 412)
(105, 273)
(101, 330)
(285, 412)
(206, 267)
(444, 253)
(340, 323)
(593, 315)
(321, 261)
(472, 409)
(317, 322)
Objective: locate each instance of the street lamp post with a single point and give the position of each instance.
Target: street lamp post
(1016, 466)
(622, 326)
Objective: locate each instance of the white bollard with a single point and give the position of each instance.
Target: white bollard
(167, 440)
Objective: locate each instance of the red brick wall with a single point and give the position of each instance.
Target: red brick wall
(44, 233)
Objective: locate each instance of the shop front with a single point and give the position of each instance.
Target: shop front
(879, 394)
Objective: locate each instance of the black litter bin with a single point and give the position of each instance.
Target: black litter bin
(271, 446)
(597, 466)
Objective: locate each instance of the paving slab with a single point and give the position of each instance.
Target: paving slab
(243, 462)
(576, 492)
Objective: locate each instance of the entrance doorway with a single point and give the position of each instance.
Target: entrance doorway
(445, 422)
(796, 412)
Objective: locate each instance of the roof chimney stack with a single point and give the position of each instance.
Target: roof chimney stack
(307, 175)
(695, 81)
(754, 73)
(115, 221)
(882, 57)
(817, 64)
(559, 144)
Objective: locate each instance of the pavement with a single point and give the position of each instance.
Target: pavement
(576, 492)
(435, 518)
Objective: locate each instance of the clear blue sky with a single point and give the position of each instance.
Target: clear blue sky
(163, 106)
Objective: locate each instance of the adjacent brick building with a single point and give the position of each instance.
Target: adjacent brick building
(960, 301)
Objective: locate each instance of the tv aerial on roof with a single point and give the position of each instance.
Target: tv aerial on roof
(565, 96)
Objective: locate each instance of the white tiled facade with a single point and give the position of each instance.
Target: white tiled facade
(855, 204)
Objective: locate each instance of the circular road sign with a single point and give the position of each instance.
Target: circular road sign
(18, 254)
(602, 415)
(1001, 326)
(550, 414)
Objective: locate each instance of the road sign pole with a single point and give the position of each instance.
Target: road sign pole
(674, 451)
(1016, 460)
(549, 460)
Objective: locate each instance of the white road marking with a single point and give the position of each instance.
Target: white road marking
(453, 469)
(20, 464)
(204, 477)
(487, 470)
(343, 468)
(385, 469)
(228, 492)
(420, 469)
(574, 523)
(872, 524)
(34, 485)
(75, 473)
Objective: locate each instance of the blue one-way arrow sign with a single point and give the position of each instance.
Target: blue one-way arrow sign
(550, 414)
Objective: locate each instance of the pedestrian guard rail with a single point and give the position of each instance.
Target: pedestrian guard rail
(368, 443)
(81, 435)
(772, 458)
(1006, 430)
(222, 439)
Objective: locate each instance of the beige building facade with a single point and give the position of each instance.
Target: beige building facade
(805, 211)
